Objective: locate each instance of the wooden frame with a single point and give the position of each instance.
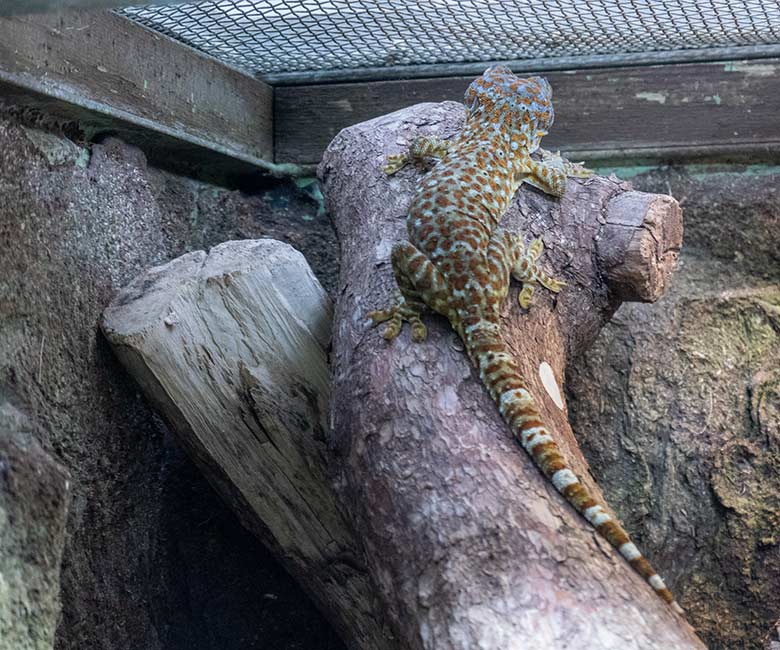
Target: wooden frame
(191, 113)
(19, 7)
(114, 76)
(656, 112)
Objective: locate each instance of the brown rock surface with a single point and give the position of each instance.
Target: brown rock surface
(677, 406)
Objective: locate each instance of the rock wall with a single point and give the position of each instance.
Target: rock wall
(152, 559)
(34, 497)
(677, 406)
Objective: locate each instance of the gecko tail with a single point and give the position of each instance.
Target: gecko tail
(508, 388)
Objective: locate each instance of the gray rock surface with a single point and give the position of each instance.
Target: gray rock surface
(152, 557)
(34, 497)
(772, 641)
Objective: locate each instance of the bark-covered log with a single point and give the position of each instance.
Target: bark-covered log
(231, 348)
(469, 545)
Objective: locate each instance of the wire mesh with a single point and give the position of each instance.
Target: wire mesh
(283, 36)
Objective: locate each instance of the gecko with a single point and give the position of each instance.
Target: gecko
(458, 263)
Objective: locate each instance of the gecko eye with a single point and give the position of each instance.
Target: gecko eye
(543, 84)
(496, 70)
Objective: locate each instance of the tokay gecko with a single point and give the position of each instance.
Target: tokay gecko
(458, 262)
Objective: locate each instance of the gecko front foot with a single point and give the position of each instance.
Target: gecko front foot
(423, 150)
(395, 318)
(571, 169)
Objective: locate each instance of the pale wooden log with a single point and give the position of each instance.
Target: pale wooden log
(469, 545)
(231, 348)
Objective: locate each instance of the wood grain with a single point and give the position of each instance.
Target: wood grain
(11, 7)
(231, 347)
(660, 111)
(640, 245)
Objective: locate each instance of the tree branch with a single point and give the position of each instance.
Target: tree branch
(467, 542)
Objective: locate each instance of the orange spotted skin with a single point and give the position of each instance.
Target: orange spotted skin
(458, 262)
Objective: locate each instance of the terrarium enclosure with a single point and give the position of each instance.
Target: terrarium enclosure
(204, 443)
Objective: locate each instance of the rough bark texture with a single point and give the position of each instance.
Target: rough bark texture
(34, 499)
(639, 246)
(153, 559)
(232, 348)
(677, 406)
(772, 641)
(469, 545)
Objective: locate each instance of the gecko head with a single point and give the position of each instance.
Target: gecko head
(500, 92)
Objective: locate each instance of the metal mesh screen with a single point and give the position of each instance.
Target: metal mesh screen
(283, 36)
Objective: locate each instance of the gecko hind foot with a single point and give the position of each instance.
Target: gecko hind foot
(395, 318)
(395, 162)
(527, 272)
(524, 298)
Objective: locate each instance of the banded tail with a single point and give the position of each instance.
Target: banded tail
(502, 378)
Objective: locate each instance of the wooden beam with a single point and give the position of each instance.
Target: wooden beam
(115, 76)
(658, 112)
(11, 7)
(540, 65)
